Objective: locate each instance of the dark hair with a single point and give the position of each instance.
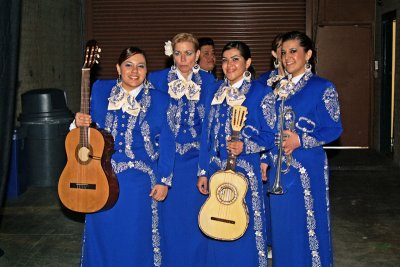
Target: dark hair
(128, 52)
(277, 41)
(305, 42)
(244, 50)
(205, 41)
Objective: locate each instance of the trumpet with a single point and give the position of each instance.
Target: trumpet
(277, 187)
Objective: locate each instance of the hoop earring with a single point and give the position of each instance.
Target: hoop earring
(196, 68)
(308, 67)
(173, 67)
(247, 76)
(276, 63)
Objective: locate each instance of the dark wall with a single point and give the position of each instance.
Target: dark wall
(384, 7)
(344, 34)
(51, 50)
(9, 40)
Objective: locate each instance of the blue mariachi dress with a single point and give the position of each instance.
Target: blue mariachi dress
(128, 234)
(268, 78)
(257, 135)
(184, 242)
(301, 230)
(263, 78)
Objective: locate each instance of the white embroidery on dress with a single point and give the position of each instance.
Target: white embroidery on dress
(268, 109)
(308, 127)
(256, 204)
(309, 210)
(201, 110)
(175, 111)
(182, 149)
(145, 130)
(326, 176)
(331, 101)
(310, 142)
(167, 180)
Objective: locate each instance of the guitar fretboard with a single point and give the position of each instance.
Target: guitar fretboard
(231, 164)
(85, 101)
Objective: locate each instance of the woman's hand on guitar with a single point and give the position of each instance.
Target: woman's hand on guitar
(234, 147)
(264, 167)
(159, 192)
(82, 119)
(202, 185)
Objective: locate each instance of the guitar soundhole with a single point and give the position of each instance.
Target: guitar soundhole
(227, 194)
(84, 154)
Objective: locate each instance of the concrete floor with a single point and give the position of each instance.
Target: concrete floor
(365, 204)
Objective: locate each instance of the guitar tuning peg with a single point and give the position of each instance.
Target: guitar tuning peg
(96, 61)
(99, 49)
(97, 55)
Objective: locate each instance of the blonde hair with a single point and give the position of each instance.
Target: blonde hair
(185, 37)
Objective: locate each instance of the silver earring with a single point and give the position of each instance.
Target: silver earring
(119, 79)
(308, 67)
(247, 76)
(196, 68)
(173, 67)
(276, 63)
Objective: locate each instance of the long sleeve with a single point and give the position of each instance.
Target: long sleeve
(328, 125)
(167, 155)
(259, 131)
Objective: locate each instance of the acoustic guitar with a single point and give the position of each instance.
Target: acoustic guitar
(88, 183)
(224, 215)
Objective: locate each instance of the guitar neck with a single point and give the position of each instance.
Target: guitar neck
(85, 102)
(231, 164)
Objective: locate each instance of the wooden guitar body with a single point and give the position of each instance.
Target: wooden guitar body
(87, 183)
(224, 215)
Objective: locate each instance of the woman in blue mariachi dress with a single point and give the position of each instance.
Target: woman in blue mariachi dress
(186, 85)
(134, 113)
(271, 78)
(301, 230)
(250, 250)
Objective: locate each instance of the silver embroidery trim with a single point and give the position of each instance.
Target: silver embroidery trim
(174, 114)
(145, 130)
(304, 129)
(129, 137)
(326, 176)
(112, 125)
(268, 109)
(300, 84)
(310, 142)
(167, 180)
(201, 110)
(182, 149)
(309, 210)
(331, 100)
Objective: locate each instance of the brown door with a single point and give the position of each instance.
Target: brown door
(345, 58)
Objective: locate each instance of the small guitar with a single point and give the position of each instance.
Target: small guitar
(224, 215)
(88, 183)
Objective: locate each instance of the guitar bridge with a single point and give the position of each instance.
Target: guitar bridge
(222, 220)
(82, 186)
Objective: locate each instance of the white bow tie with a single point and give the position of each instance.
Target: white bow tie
(124, 101)
(178, 88)
(232, 95)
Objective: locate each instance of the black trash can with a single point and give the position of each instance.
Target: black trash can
(45, 121)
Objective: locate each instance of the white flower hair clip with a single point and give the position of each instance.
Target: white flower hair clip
(168, 50)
